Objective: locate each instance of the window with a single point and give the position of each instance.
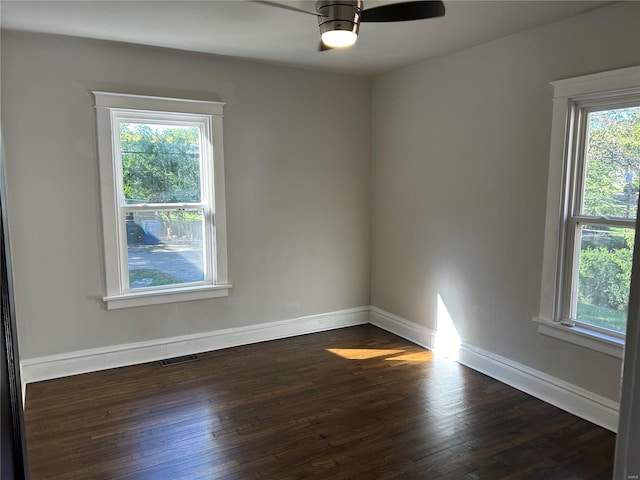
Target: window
(162, 190)
(603, 203)
(603, 211)
(592, 200)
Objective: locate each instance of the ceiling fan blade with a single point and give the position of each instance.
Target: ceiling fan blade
(288, 7)
(402, 12)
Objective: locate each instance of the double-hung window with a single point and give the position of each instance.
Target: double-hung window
(594, 179)
(603, 204)
(162, 191)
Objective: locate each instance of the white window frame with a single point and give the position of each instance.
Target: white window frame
(113, 108)
(572, 99)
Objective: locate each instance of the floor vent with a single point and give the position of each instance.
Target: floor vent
(175, 360)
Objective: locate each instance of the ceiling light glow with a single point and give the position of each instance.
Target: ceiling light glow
(339, 38)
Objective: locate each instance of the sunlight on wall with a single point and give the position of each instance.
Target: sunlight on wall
(447, 341)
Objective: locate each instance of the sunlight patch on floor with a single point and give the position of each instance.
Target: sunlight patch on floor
(362, 353)
(425, 356)
(391, 355)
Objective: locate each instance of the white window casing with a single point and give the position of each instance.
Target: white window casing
(111, 110)
(572, 97)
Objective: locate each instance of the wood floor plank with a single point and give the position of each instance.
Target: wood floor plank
(356, 403)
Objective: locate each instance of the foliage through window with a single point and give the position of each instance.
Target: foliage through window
(162, 167)
(162, 188)
(160, 163)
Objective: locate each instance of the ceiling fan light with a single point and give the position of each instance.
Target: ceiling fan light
(339, 38)
(339, 22)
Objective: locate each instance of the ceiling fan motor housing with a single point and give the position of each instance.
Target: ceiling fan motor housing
(339, 15)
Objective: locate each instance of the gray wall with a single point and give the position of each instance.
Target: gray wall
(297, 151)
(459, 175)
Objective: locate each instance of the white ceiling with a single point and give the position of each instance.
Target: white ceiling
(240, 28)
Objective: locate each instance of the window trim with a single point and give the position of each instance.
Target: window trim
(111, 106)
(600, 88)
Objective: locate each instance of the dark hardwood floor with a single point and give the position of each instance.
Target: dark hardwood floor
(357, 403)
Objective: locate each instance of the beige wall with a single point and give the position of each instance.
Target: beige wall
(297, 169)
(459, 175)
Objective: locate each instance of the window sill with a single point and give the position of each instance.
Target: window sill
(600, 342)
(156, 297)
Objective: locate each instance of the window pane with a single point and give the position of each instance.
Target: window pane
(604, 276)
(160, 163)
(164, 248)
(612, 163)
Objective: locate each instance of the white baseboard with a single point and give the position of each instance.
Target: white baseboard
(421, 335)
(566, 396)
(84, 361)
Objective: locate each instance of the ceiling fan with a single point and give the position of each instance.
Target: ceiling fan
(339, 20)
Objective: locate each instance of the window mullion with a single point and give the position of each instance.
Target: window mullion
(120, 200)
(163, 206)
(208, 192)
(572, 264)
(574, 205)
(605, 221)
(579, 162)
